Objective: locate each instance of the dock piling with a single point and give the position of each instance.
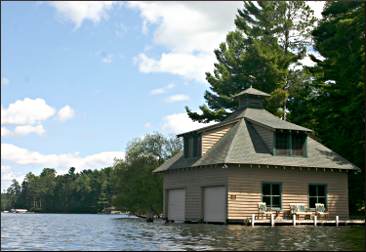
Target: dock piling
(272, 220)
(253, 219)
(294, 219)
(337, 220)
(315, 220)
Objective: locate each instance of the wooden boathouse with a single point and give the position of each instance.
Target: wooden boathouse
(229, 170)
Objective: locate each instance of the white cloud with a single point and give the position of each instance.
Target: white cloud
(147, 125)
(23, 130)
(7, 175)
(5, 132)
(180, 123)
(189, 66)
(306, 61)
(190, 41)
(162, 90)
(65, 113)
(317, 7)
(177, 98)
(206, 26)
(4, 81)
(79, 11)
(61, 162)
(27, 111)
(28, 129)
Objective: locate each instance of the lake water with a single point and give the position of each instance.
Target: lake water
(112, 232)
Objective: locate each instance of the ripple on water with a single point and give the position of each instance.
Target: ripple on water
(110, 232)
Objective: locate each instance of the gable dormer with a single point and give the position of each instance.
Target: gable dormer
(289, 143)
(279, 137)
(192, 145)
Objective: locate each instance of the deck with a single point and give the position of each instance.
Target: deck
(308, 222)
(294, 221)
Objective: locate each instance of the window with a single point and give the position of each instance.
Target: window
(317, 194)
(197, 146)
(290, 143)
(282, 143)
(192, 146)
(271, 194)
(186, 146)
(298, 144)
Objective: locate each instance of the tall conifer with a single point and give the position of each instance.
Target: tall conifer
(270, 36)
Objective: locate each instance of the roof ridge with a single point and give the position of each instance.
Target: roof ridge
(240, 123)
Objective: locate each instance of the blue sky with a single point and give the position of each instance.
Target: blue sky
(80, 80)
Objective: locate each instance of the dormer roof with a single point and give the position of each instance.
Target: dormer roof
(252, 91)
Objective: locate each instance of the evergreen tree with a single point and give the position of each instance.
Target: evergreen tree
(270, 37)
(339, 110)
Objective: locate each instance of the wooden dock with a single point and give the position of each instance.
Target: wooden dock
(294, 222)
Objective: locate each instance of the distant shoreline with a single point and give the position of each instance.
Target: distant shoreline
(64, 213)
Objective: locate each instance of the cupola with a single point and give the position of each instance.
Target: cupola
(251, 98)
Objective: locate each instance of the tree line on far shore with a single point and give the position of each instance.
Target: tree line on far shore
(128, 186)
(270, 40)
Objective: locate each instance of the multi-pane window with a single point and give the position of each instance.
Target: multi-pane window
(271, 195)
(290, 143)
(282, 143)
(298, 144)
(317, 194)
(192, 145)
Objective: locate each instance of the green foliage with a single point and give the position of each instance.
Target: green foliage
(330, 100)
(270, 36)
(130, 183)
(85, 192)
(138, 190)
(340, 39)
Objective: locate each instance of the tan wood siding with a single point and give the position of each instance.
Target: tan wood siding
(246, 184)
(211, 137)
(266, 135)
(193, 181)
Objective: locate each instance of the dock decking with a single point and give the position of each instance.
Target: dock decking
(287, 222)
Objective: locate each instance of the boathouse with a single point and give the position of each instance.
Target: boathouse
(252, 156)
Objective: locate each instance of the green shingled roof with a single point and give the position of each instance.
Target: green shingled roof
(256, 115)
(242, 145)
(252, 91)
(264, 118)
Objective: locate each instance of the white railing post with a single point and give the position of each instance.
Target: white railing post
(272, 220)
(294, 219)
(315, 220)
(337, 220)
(253, 219)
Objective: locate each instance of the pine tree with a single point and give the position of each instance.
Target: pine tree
(269, 37)
(339, 110)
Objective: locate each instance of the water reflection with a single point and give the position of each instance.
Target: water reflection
(110, 232)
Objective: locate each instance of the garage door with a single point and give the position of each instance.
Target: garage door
(214, 204)
(176, 205)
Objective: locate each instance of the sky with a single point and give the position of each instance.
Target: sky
(80, 80)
